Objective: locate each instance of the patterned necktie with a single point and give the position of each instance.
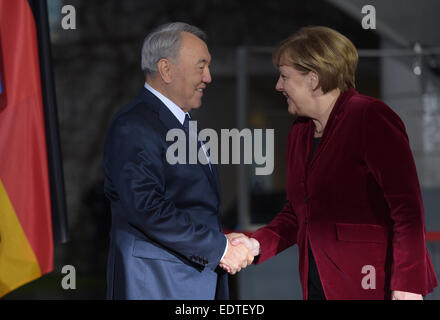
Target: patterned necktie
(193, 135)
(186, 123)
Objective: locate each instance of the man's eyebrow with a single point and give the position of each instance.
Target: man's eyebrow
(202, 61)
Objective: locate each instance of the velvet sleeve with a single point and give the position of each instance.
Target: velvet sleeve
(389, 158)
(278, 235)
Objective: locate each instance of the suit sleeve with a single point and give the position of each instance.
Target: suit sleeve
(388, 157)
(278, 235)
(137, 171)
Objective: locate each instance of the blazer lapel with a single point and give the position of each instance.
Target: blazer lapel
(329, 128)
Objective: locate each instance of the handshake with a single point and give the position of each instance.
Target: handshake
(241, 252)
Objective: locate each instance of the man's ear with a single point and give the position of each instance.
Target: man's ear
(164, 69)
(314, 80)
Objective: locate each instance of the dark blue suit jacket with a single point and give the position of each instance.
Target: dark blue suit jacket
(166, 240)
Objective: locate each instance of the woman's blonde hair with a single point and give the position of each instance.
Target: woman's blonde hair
(322, 50)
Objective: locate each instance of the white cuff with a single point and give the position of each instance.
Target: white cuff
(226, 249)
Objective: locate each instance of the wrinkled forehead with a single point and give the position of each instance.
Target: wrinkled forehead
(194, 48)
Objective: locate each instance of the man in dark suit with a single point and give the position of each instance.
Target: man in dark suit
(166, 239)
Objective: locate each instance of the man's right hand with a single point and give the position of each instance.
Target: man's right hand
(236, 258)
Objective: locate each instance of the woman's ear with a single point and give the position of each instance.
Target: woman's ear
(164, 69)
(314, 80)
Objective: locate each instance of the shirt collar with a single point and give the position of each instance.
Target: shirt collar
(174, 108)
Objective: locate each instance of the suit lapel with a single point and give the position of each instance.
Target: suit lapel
(216, 178)
(209, 174)
(212, 175)
(165, 115)
(171, 122)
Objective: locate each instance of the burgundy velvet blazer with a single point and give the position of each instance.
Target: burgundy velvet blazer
(357, 202)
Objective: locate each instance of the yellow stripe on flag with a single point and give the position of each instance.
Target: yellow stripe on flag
(18, 264)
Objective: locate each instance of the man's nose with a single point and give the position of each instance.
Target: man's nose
(206, 76)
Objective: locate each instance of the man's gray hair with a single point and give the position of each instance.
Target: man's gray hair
(165, 42)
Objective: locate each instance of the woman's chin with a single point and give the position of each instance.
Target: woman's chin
(292, 111)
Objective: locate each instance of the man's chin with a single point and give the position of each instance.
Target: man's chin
(196, 105)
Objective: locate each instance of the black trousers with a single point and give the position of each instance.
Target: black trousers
(314, 285)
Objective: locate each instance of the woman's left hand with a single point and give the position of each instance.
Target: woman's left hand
(402, 295)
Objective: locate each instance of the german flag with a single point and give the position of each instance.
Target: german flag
(26, 241)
